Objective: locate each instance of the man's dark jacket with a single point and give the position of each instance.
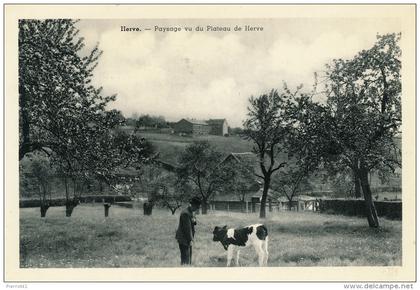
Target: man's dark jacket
(185, 231)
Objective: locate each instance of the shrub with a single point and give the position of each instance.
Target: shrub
(357, 207)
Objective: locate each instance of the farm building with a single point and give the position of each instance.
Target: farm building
(192, 126)
(218, 127)
(251, 160)
(201, 127)
(248, 158)
(299, 202)
(248, 161)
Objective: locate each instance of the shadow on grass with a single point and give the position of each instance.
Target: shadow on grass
(299, 258)
(108, 234)
(217, 261)
(330, 228)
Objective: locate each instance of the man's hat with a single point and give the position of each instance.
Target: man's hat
(195, 200)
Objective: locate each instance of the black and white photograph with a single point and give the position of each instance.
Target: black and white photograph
(274, 143)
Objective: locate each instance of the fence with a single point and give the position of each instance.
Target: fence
(389, 209)
(254, 206)
(356, 207)
(83, 199)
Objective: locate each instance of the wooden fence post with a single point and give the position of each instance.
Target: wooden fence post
(106, 207)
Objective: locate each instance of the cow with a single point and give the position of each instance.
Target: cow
(231, 239)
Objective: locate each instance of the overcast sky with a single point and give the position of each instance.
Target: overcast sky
(212, 74)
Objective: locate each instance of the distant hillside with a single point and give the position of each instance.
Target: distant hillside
(170, 146)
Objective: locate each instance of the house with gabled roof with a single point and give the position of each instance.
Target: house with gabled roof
(192, 127)
(218, 127)
(201, 127)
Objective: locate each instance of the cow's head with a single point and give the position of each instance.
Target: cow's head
(219, 233)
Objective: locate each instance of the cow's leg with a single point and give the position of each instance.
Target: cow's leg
(229, 255)
(265, 251)
(237, 256)
(260, 252)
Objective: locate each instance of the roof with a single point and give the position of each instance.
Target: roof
(246, 158)
(195, 121)
(216, 121)
(271, 193)
(204, 122)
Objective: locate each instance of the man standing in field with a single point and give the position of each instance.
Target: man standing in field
(185, 232)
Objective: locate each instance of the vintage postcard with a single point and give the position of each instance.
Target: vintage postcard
(210, 143)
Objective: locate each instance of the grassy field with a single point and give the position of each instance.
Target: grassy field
(170, 145)
(129, 239)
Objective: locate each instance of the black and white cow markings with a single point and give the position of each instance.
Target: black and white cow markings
(233, 239)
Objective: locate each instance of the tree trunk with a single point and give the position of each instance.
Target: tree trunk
(44, 208)
(204, 206)
(69, 209)
(290, 204)
(67, 189)
(106, 208)
(70, 205)
(371, 213)
(243, 206)
(264, 197)
(148, 208)
(357, 190)
(25, 123)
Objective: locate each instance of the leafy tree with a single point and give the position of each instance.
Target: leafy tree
(56, 98)
(243, 178)
(243, 181)
(173, 194)
(290, 181)
(268, 127)
(128, 150)
(130, 122)
(288, 129)
(97, 153)
(343, 183)
(62, 113)
(308, 142)
(146, 121)
(201, 167)
(365, 103)
(151, 176)
(40, 168)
